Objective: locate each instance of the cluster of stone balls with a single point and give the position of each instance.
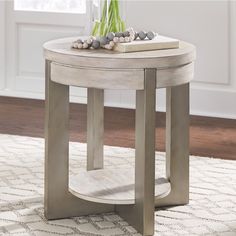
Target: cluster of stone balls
(109, 41)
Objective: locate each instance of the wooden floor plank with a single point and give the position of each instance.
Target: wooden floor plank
(213, 137)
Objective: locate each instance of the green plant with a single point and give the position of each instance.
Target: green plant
(110, 20)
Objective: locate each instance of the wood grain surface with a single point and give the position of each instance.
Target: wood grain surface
(112, 186)
(99, 78)
(159, 42)
(60, 51)
(212, 137)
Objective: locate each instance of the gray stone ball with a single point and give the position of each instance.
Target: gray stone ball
(119, 34)
(142, 35)
(150, 35)
(79, 41)
(103, 40)
(111, 36)
(126, 34)
(89, 45)
(96, 44)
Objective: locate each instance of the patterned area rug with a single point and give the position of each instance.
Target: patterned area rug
(212, 208)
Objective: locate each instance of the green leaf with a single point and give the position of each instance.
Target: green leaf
(110, 20)
(95, 28)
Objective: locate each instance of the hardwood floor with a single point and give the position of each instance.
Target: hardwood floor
(213, 137)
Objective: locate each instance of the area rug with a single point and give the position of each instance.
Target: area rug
(211, 211)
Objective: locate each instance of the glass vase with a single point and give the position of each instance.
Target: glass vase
(107, 17)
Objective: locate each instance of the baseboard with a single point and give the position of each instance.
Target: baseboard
(213, 102)
(39, 96)
(20, 94)
(204, 102)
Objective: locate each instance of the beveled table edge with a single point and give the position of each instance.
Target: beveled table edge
(59, 51)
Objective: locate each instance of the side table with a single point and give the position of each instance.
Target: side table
(97, 70)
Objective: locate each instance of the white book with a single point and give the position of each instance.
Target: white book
(159, 42)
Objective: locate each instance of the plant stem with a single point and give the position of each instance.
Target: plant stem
(110, 20)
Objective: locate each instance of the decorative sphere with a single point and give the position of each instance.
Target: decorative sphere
(96, 44)
(111, 43)
(89, 41)
(103, 40)
(85, 45)
(142, 35)
(127, 39)
(126, 34)
(150, 35)
(108, 47)
(111, 36)
(116, 40)
(80, 45)
(122, 39)
(131, 38)
(75, 45)
(118, 34)
(79, 41)
(131, 31)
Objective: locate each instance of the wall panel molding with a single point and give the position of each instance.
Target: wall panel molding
(29, 67)
(26, 34)
(210, 25)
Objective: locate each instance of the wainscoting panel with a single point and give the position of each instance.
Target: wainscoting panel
(210, 25)
(29, 53)
(24, 37)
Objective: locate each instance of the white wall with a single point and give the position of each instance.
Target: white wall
(21, 43)
(210, 25)
(2, 45)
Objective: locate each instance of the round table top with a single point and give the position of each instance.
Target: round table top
(60, 51)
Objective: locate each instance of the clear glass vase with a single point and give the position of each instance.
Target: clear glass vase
(107, 17)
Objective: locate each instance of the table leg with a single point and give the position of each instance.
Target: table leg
(141, 214)
(58, 201)
(177, 145)
(95, 128)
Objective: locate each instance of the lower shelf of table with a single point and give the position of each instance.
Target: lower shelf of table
(111, 186)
